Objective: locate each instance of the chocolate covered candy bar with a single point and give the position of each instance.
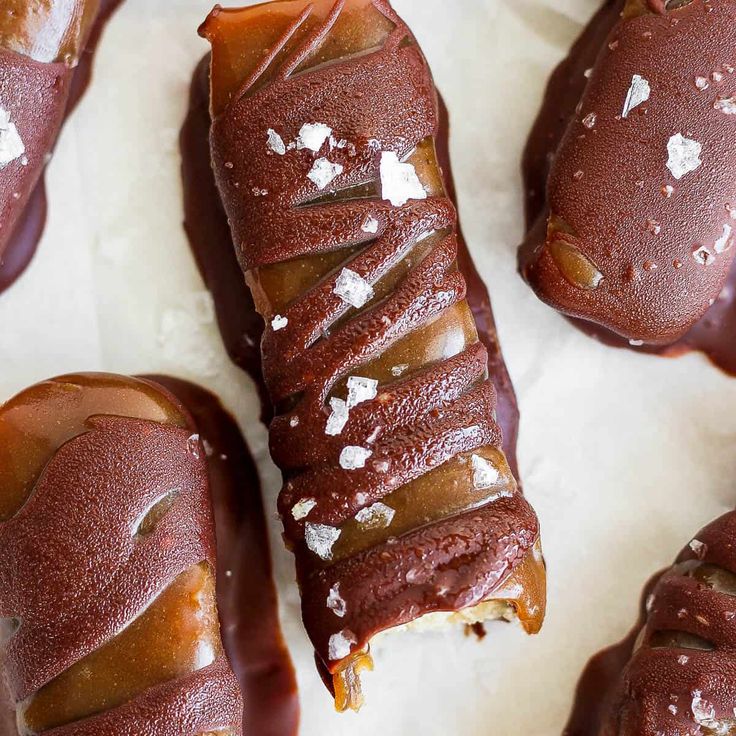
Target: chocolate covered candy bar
(107, 560)
(639, 232)
(398, 501)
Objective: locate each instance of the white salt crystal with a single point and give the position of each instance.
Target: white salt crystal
(370, 225)
(276, 142)
(684, 155)
(335, 601)
(701, 83)
(400, 369)
(638, 93)
(338, 418)
(727, 105)
(313, 136)
(703, 256)
(11, 144)
(399, 181)
(361, 389)
(589, 121)
(301, 510)
(324, 172)
(321, 538)
(352, 457)
(683, 660)
(340, 644)
(699, 548)
(294, 421)
(484, 474)
(703, 711)
(724, 242)
(353, 288)
(279, 322)
(378, 516)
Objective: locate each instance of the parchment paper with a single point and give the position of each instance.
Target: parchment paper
(623, 456)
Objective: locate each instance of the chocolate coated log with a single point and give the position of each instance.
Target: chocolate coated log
(40, 44)
(681, 676)
(639, 235)
(398, 500)
(107, 583)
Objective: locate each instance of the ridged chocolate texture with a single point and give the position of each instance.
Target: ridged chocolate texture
(681, 678)
(642, 192)
(422, 420)
(114, 533)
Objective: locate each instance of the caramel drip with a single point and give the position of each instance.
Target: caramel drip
(133, 644)
(354, 66)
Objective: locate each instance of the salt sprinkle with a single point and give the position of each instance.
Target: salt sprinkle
(324, 172)
(11, 144)
(698, 547)
(321, 538)
(294, 421)
(338, 418)
(378, 516)
(370, 225)
(684, 155)
(636, 343)
(717, 76)
(683, 660)
(400, 369)
(703, 256)
(672, 709)
(588, 73)
(352, 457)
(361, 389)
(725, 242)
(701, 83)
(399, 182)
(301, 510)
(279, 322)
(484, 474)
(590, 120)
(353, 288)
(703, 711)
(340, 645)
(335, 601)
(668, 190)
(313, 136)
(276, 142)
(638, 93)
(727, 105)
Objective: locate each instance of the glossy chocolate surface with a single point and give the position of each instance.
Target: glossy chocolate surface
(629, 246)
(675, 673)
(355, 67)
(46, 51)
(107, 586)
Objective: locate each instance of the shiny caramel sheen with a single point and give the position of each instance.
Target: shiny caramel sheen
(239, 39)
(47, 30)
(179, 632)
(574, 265)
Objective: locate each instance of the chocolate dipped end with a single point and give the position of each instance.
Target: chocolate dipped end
(681, 677)
(107, 590)
(41, 44)
(398, 501)
(640, 230)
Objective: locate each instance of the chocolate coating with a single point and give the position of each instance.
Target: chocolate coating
(38, 95)
(675, 674)
(441, 411)
(83, 559)
(655, 249)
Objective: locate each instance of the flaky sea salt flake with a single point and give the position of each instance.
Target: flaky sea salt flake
(278, 323)
(684, 155)
(353, 457)
(370, 225)
(335, 601)
(324, 172)
(725, 242)
(361, 389)
(301, 509)
(313, 136)
(703, 711)
(702, 83)
(276, 142)
(638, 93)
(353, 288)
(338, 418)
(321, 538)
(399, 181)
(377, 516)
(484, 474)
(339, 645)
(727, 105)
(11, 144)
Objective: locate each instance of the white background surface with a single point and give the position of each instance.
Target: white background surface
(623, 456)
